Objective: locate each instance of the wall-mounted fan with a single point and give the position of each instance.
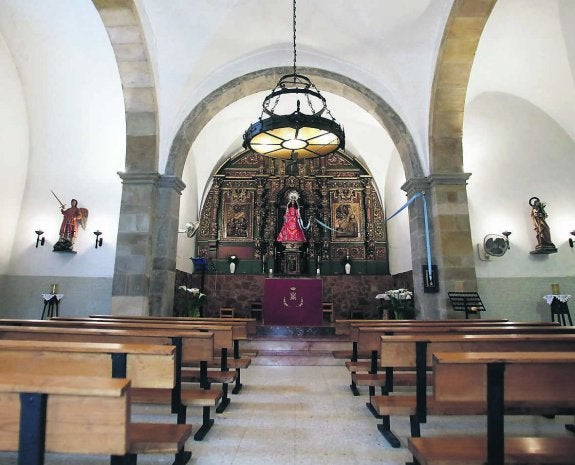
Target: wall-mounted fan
(190, 228)
(494, 245)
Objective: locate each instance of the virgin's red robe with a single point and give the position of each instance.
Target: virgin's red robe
(291, 230)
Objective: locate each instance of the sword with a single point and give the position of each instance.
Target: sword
(62, 205)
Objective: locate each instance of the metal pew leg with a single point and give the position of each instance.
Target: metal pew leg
(368, 404)
(128, 459)
(238, 387)
(206, 425)
(182, 457)
(353, 388)
(225, 399)
(414, 426)
(385, 429)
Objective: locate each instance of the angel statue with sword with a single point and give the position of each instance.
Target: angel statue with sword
(69, 227)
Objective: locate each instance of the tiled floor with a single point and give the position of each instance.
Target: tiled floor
(288, 415)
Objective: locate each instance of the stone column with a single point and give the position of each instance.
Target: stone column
(450, 237)
(134, 249)
(133, 266)
(163, 276)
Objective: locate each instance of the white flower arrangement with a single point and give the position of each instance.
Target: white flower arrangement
(401, 303)
(399, 294)
(197, 300)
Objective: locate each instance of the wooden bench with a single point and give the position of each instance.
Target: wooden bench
(242, 330)
(416, 352)
(190, 346)
(79, 415)
(223, 342)
(249, 323)
(524, 381)
(365, 341)
(343, 327)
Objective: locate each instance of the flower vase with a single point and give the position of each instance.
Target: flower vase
(347, 268)
(232, 268)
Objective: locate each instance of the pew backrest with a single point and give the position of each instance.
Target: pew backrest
(147, 365)
(100, 405)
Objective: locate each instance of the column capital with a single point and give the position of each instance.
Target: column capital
(173, 182)
(448, 179)
(413, 185)
(139, 178)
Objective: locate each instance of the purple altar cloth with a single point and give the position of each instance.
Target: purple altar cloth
(293, 302)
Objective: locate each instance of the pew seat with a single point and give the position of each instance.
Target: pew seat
(463, 450)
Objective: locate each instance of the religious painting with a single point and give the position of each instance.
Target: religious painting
(237, 214)
(346, 215)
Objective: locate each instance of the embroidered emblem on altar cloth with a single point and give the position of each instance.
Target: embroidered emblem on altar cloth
(292, 301)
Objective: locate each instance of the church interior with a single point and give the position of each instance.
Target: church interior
(133, 182)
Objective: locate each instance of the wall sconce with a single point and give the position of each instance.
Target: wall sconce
(99, 240)
(571, 243)
(40, 240)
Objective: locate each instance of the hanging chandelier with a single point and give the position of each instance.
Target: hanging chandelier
(288, 134)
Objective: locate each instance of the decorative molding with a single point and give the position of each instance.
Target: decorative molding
(139, 178)
(448, 179)
(172, 182)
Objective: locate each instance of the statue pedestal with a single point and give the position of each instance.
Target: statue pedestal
(291, 263)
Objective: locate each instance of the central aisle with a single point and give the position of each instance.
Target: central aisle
(288, 415)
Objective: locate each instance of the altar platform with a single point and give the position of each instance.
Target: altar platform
(295, 345)
(295, 331)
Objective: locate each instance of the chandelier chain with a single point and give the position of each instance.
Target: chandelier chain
(294, 37)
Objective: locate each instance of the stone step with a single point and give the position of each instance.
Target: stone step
(296, 346)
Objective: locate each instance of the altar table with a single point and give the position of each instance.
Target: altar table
(293, 301)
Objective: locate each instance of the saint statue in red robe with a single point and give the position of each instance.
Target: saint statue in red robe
(292, 230)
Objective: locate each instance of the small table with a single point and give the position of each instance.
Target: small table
(51, 302)
(558, 303)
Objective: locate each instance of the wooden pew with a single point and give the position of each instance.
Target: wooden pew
(190, 346)
(79, 415)
(223, 342)
(243, 329)
(226, 338)
(366, 340)
(151, 366)
(343, 327)
(416, 352)
(249, 323)
(525, 381)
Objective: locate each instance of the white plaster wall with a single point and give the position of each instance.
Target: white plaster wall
(13, 150)
(518, 136)
(198, 46)
(189, 211)
(72, 90)
(399, 241)
(518, 143)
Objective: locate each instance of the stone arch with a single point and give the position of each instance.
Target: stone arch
(461, 36)
(266, 79)
(142, 185)
(446, 184)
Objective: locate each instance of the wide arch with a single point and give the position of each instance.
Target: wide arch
(452, 248)
(266, 79)
(461, 36)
